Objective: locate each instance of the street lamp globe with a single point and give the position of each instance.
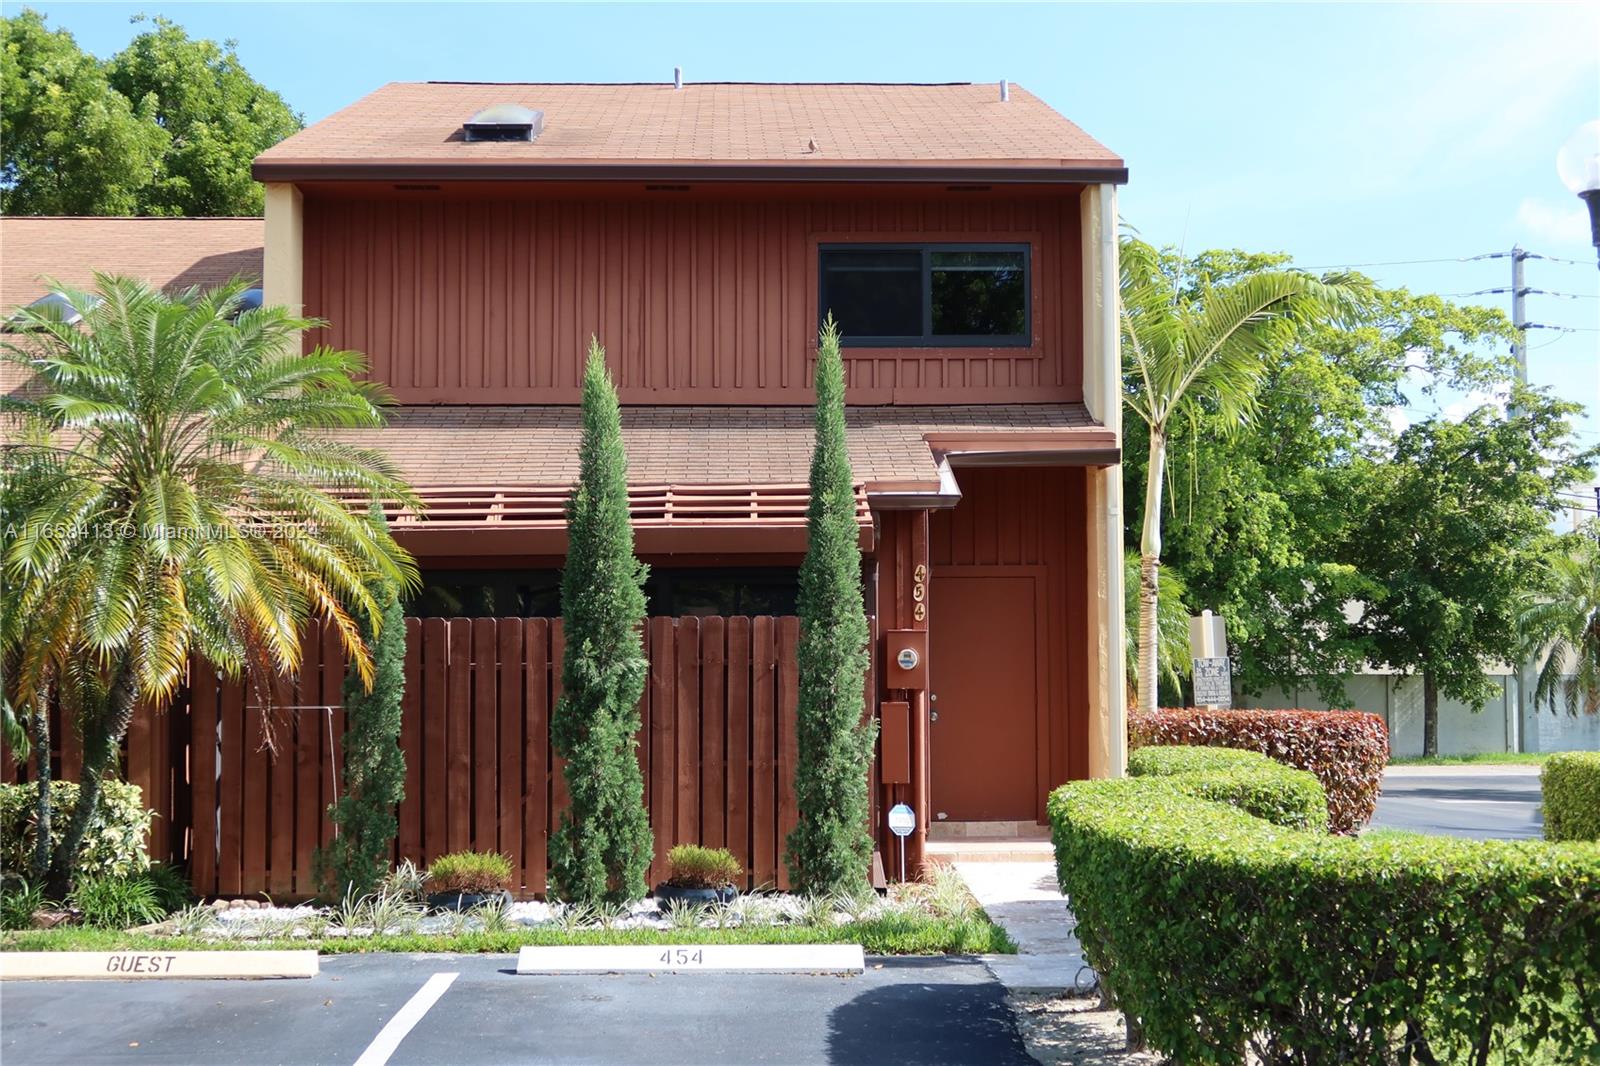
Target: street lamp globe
(1578, 163)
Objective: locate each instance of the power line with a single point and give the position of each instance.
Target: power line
(1409, 262)
(1526, 292)
(1558, 259)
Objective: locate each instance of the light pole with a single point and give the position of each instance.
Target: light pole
(1578, 163)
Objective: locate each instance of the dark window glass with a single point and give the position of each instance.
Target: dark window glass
(668, 591)
(873, 293)
(978, 294)
(928, 295)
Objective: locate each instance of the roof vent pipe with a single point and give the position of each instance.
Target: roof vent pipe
(677, 77)
(1005, 90)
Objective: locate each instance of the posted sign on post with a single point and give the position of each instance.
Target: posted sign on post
(1213, 674)
(1213, 682)
(902, 823)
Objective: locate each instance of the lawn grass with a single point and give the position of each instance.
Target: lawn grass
(1501, 758)
(896, 934)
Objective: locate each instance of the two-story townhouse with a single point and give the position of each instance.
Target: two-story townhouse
(470, 238)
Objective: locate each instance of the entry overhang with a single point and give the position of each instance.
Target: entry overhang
(1095, 446)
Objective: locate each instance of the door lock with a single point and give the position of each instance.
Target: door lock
(933, 716)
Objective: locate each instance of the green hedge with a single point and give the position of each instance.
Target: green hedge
(1571, 784)
(1219, 933)
(1252, 782)
(1346, 750)
(115, 843)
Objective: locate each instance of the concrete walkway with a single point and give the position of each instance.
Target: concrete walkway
(1023, 899)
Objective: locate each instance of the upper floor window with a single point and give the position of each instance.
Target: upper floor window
(928, 295)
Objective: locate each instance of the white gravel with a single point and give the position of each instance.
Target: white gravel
(238, 921)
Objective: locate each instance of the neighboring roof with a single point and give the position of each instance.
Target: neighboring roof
(730, 130)
(173, 253)
(522, 446)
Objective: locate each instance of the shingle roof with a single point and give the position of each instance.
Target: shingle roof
(173, 253)
(704, 123)
(488, 446)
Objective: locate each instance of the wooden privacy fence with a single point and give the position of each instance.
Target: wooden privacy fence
(716, 748)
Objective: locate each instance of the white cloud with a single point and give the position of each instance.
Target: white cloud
(1551, 223)
(1497, 397)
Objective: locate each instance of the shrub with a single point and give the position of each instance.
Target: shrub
(1346, 750)
(171, 886)
(1571, 784)
(1217, 932)
(692, 866)
(1244, 779)
(113, 845)
(603, 846)
(116, 902)
(469, 871)
(830, 848)
(356, 859)
(18, 901)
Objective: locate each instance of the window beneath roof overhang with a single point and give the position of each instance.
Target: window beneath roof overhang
(908, 295)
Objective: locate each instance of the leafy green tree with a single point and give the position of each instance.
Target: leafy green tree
(1207, 350)
(1451, 529)
(1560, 621)
(73, 145)
(830, 849)
(168, 126)
(354, 862)
(189, 505)
(603, 847)
(219, 119)
(1253, 519)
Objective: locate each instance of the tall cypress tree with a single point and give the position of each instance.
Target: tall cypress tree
(830, 850)
(374, 775)
(603, 847)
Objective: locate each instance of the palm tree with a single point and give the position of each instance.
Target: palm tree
(1200, 346)
(1560, 621)
(1172, 626)
(184, 498)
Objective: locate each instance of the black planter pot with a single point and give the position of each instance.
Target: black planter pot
(465, 901)
(670, 896)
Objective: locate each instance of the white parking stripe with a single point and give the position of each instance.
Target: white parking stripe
(390, 1035)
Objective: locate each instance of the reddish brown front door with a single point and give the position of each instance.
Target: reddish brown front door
(983, 659)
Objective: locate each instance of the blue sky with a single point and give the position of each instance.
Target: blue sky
(1343, 134)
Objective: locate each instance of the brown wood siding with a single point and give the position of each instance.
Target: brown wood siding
(698, 300)
(1031, 517)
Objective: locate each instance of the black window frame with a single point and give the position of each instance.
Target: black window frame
(929, 339)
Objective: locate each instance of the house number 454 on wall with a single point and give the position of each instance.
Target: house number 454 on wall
(919, 593)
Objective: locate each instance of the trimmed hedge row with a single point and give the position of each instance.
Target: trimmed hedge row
(1571, 785)
(1252, 783)
(1346, 750)
(114, 845)
(1217, 932)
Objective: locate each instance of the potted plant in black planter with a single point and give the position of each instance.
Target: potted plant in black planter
(463, 880)
(698, 876)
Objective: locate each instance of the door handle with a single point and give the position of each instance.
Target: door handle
(933, 716)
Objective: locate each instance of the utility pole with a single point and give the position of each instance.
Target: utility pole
(1519, 352)
(1519, 315)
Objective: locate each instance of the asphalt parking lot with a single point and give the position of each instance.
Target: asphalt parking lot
(912, 1011)
(1484, 801)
